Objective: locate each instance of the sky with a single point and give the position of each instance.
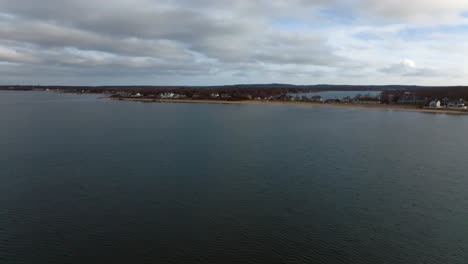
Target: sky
(214, 42)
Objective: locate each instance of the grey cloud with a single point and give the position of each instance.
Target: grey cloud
(168, 36)
(285, 48)
(188, 38)
(415, 10)
(53, 35)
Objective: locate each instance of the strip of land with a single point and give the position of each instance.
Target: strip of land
(310, 104)
(445, 100)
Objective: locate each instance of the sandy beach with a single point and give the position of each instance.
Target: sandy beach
(309, 104)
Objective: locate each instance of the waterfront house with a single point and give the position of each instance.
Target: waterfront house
(347, 99)
(445, 102)
(316, 99)
(410, 98)
(435, 104)
(329, 101)
(167, 95)
(123, 94)
(459, 105)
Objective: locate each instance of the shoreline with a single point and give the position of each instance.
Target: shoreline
(407, 108)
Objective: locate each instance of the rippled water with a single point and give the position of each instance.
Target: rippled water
(86, 180)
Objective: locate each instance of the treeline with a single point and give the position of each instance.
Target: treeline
(453, 93)
(228, 92)
(428, 93)
(247, 91)
(283, 87)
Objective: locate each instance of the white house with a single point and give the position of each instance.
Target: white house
(167, 95)
(435, 104)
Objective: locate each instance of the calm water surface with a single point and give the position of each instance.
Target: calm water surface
(86, 180)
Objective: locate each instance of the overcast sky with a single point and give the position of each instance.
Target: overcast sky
(207, 42)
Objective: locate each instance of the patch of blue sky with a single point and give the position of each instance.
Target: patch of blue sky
(420, 33)
(343, 15)
(367, 36)
(328, 17)
(293, 24)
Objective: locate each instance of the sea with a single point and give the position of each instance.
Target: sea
(85, 179)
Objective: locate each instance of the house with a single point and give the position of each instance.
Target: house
(214, 95)
(410, 98)
(317, 99)
(459, 105)
(329, 101)
(435, 104)
(347, 99)
(295, 98)
(123, 94)
(167, 95)
(445, 102)
(278, 97)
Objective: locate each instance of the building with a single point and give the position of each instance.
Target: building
(330, 101)
(459, 105)
(410, 98)
(167, 95)
(317, 99)
(435, 104)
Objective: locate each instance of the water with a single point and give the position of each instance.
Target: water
(86, 180)
(339, 94)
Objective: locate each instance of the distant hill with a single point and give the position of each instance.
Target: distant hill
(316, 87)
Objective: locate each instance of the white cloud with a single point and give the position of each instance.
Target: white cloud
(407, 63)
(8, 54)
(408, 67)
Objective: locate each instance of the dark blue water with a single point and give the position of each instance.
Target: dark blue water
(86, 180)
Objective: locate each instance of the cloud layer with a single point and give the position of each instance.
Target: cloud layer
(224, 42)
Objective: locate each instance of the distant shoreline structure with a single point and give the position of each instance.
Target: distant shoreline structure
(449, 100)
(410, 108)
